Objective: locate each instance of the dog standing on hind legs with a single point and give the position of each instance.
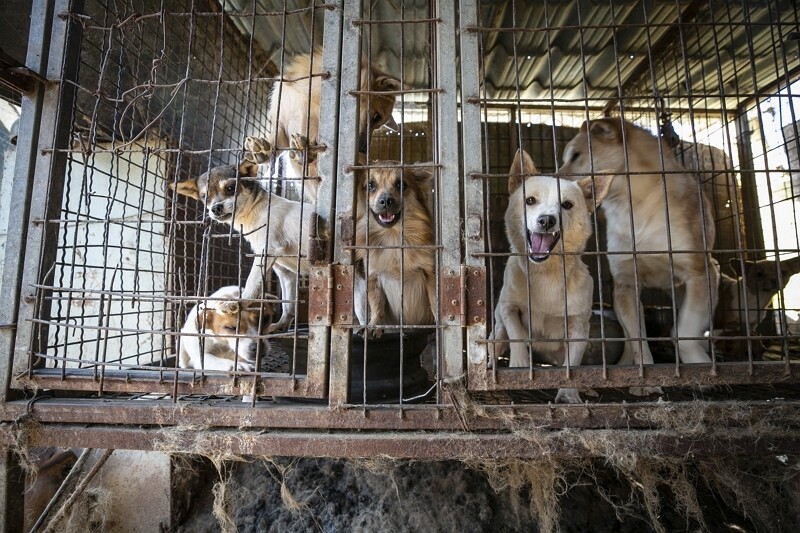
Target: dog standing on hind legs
(672, 221)
(546, 215)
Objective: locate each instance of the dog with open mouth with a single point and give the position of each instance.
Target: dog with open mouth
(394, 237)
(546, 283)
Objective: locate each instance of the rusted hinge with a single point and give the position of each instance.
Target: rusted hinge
(330, 296)
(463, 296)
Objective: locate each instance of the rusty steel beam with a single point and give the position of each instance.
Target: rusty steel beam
(706, 415)
(663, 375)
(416, 445)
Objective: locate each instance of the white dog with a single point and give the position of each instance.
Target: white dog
(545, 216)
(216, 340)
(673, 222)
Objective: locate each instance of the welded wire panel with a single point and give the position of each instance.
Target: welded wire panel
(709, 89)
(161, 96)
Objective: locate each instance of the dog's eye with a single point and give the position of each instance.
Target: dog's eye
(371, 186)
(230, 328)
(376, 118)
(230, 189)
(575, 156)
(398, 185)
(530, 200)
(566, 204)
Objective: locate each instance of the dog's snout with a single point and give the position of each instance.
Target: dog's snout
(218, 209)
(546, 222)
(386, 201)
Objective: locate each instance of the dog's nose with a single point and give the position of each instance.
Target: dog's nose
(386, 201)
(217, 209)
(546, 222)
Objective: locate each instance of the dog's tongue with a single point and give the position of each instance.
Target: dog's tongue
(386, 218)
(541, 243)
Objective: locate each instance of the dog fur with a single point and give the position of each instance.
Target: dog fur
(227, 341)
(546, 215)
(743, 300)
(294, 117)
(277, 229)
(392, 212)
(640, 195)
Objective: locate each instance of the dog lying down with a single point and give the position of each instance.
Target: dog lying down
(215, 340)
(273, 226)
(548, 222)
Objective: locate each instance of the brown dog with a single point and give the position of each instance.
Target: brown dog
(743, 300)
(294, 117)
(394, 222)
(656, 207)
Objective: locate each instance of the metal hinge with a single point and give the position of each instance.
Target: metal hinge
(463, 296)
(330, 295)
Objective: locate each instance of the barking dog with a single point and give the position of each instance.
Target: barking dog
(393, 214)
(680, 219)
(216, 340)
(294, 117)
(546, 215)
(276, 228)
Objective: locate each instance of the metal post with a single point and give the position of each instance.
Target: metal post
(475, 230)
(446, 109)
(753, 232)
(38, 44)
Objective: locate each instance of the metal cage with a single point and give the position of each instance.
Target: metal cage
(104, 260)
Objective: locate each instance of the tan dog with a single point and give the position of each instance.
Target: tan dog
(294, 117)
(274, 226)
(638, 192)
(743, 300)
(216, 340)
(546, 216)
(393, 214)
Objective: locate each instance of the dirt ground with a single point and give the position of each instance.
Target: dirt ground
(326, 495)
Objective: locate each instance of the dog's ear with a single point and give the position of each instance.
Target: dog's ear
(384, 82)
(187, 188)
(602, 184)
(606, 129)
(248, 169)
(521, 168)
(421, 177)
(790, 267)
(205, 316)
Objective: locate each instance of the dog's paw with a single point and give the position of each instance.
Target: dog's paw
(227, 307)
(302, 148)
(283, 323)
(645, 391)
(257, 150)
(376, 333)
(245, 366)
(568, 396)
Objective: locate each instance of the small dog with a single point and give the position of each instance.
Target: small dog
(743, 300)
(680, 220)
(393, 213)
(276, 228)
(227, 341)
(294, 117)
(545, 215)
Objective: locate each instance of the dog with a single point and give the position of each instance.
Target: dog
(639, 161)
(294, 117)
(393, 214)
(276, 228)
(227, 341)
(546, 215)
(743, 300)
